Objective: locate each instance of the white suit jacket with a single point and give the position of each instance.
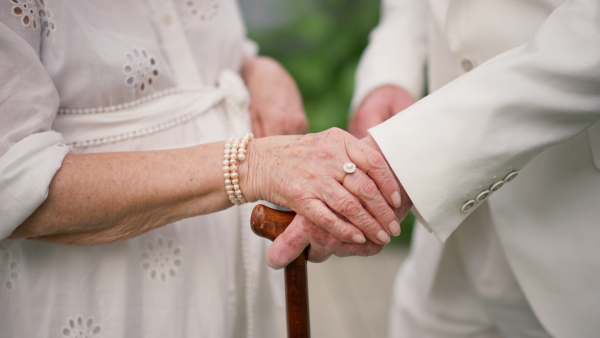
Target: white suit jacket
(516, 92)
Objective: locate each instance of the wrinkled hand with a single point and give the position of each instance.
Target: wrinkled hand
(301, 233)
(381, 104)
(276, 107)
(305, 174)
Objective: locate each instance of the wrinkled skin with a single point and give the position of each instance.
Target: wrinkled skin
(304, 174)
(302, 233)
(379, 105)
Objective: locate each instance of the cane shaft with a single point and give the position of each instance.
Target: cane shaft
(296, 297)
(270, 223)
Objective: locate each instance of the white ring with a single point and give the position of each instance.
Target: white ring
(349, 167)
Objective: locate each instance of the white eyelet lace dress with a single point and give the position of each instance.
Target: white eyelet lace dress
(101, 76)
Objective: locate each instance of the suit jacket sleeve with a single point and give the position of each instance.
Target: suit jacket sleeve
(402, 28)
(472, 132)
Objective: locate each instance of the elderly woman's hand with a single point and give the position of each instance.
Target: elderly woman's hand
(305, 174)
(301, 233)
(276, 107)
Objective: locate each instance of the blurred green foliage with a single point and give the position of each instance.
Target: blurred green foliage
(320, 46)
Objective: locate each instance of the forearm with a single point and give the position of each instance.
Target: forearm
(105, 197)
(100, 198)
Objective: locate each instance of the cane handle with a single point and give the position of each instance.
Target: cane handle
(270, 223)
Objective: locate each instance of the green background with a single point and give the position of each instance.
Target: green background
(320, 43)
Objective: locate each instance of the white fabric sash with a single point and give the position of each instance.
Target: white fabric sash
(89, 127)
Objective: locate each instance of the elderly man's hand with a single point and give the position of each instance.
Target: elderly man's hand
(301, 233)
(378, 106)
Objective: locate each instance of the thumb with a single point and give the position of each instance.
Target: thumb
(288, 246)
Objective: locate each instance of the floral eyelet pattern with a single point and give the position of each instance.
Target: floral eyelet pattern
(140, 69)
(9, 271)
(161, 259)
(26, 11)
(34, 14)
(45, 16)
(204, 10)
(80, 328)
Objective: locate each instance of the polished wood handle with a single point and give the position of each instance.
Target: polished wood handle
(270, 223)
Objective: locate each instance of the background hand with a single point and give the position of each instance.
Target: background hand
(381, 104)
(276, 107)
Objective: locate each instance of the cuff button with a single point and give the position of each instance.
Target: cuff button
(511, 176)
(496, 186)
(482, 195)
(467, 206)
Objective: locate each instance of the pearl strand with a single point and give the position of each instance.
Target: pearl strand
(235, 150)
(115, 108)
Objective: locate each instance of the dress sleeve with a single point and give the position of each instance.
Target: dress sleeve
(396, 51)
(496, 118)
(30, 151)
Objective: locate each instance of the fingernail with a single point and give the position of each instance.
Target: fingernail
(360, 239)
(394, 228)
(396, 199)
(383, 237)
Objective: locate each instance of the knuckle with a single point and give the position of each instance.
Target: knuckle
(326, 219)
(345, 233)
(348, 206)
(370, 226)
(385, 212)
(368, 188)
(328, 132)
(334, 132)
(376, 160)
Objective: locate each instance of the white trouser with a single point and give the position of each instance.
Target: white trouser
(461, 288)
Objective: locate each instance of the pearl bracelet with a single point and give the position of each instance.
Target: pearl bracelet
(235, 150)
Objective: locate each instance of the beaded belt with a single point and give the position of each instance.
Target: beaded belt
(90, 127)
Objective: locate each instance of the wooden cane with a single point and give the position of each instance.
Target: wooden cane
(270, 223)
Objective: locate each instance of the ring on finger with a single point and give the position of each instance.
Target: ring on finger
(349, 168)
